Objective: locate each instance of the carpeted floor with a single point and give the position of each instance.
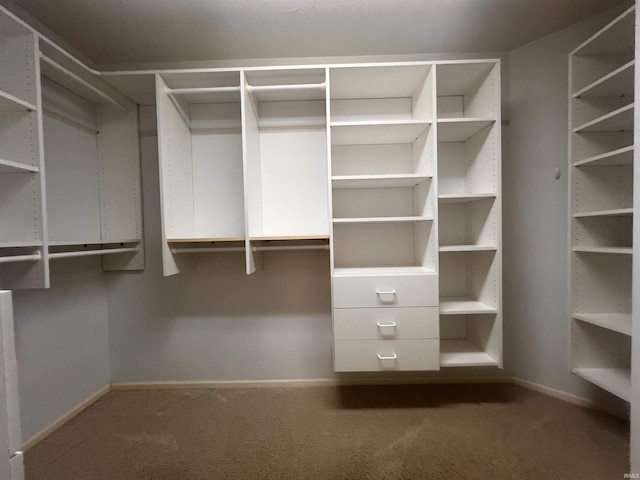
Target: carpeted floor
(355, 433)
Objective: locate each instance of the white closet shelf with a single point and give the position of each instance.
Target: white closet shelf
(620, 120)
(614, 380)
(620, 157)
(615, 84)
(282, 93)
(464, 197)
(395, 270)
(459, 78)
(461, 129)
(382, 219)
(377, 133)
(378, 181)
(11, 103)
(613, 250)
(20, 244)
(207, 94)
(292, 237)
(618, 322)
(88, 253)
(462, 353)
(618, 212)
(615, 38)
(7, 166)
(205, 239)
(463, 306)
(397, 81)
(77, 243)
(467, 248)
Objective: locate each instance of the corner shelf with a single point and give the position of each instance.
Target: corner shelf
(463, 353)
(8, 166)
(614, 380)
(607, 250)
(613, 84)
(11, 103)
(618, 212)
(618, 322)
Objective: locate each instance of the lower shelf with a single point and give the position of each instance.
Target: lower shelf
(463, 353)
(463, 306)
(614, 380)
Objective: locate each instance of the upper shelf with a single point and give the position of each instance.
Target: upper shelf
(279, 93)
(615, 158)
(461, 77)
(620, 120)
(378, 181)
(618, 212)
(376, 133)
(207, 94)
(464, 197)
(614, 84)
(398, 81)
(460, 129)
(617, 38)
(11, 103)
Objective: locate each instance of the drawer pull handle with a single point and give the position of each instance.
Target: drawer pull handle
(387, 325)
(386, 296)
(387, 357)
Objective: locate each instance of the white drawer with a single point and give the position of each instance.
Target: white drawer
(386, 355)
(385, 323)
(385, 291)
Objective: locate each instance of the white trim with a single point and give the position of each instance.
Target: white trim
(45, 432)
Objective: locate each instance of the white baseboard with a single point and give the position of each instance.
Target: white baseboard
(318, 382)
(61, 420)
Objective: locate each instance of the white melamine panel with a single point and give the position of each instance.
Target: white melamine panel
(216, 118)
(618, 322)
(604, 232)
(372, 110)
(294, 183)
(285, 77)
(383, 202)
(20, 208)
(190, 79)
(294, 115)
(618, 120)
(590, 145)
(10, 371)
(596, 347)
(385, 291)
(602, 188)
(386, 355)
(477, 84)
(218, 186)
(378, 181)
(73, 197)
(618, 83)
(119, 154)
(384, 245)
(18, 57)
(371, 159)
(395, 81)
(617, 157)
(473, 275)
(460, 130)
(377, 133)
(5, 449)
(385, 323)
(63, 104)
(19, 140)
(601, 283)
(470, 340)
(472, 223)
(470, 167)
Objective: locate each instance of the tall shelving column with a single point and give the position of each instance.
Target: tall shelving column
(469, 202)
(385, 263)
(601, 152)
(23, 262)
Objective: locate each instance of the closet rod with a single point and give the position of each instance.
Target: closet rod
(255, 249)
(83, 82)
(186, 91)
(34, 257)
(87, 253)
(302, 86)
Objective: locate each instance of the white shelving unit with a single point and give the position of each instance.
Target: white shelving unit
(468, 135)
(601, 101)
(23, 258)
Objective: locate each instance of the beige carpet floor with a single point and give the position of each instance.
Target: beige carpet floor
(387, 432)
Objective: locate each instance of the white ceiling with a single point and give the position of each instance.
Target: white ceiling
(149, 31)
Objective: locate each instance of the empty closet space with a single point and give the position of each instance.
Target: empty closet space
(601, 185)
(382, 160)
(469, 239)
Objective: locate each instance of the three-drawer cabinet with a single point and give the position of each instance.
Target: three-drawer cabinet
(386, 322)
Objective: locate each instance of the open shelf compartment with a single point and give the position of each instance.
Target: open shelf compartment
(470, 340)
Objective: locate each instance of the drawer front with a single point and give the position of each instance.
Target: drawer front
(385, 323)
(385, 291)
(386, 355)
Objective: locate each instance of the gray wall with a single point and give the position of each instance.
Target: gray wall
(62, 344)
(536, 213)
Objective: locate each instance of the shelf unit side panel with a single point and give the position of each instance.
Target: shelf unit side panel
(18, 60)
(483, 101)
(482, 161)
(423, 101)
(19, 138)
(423, 152)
